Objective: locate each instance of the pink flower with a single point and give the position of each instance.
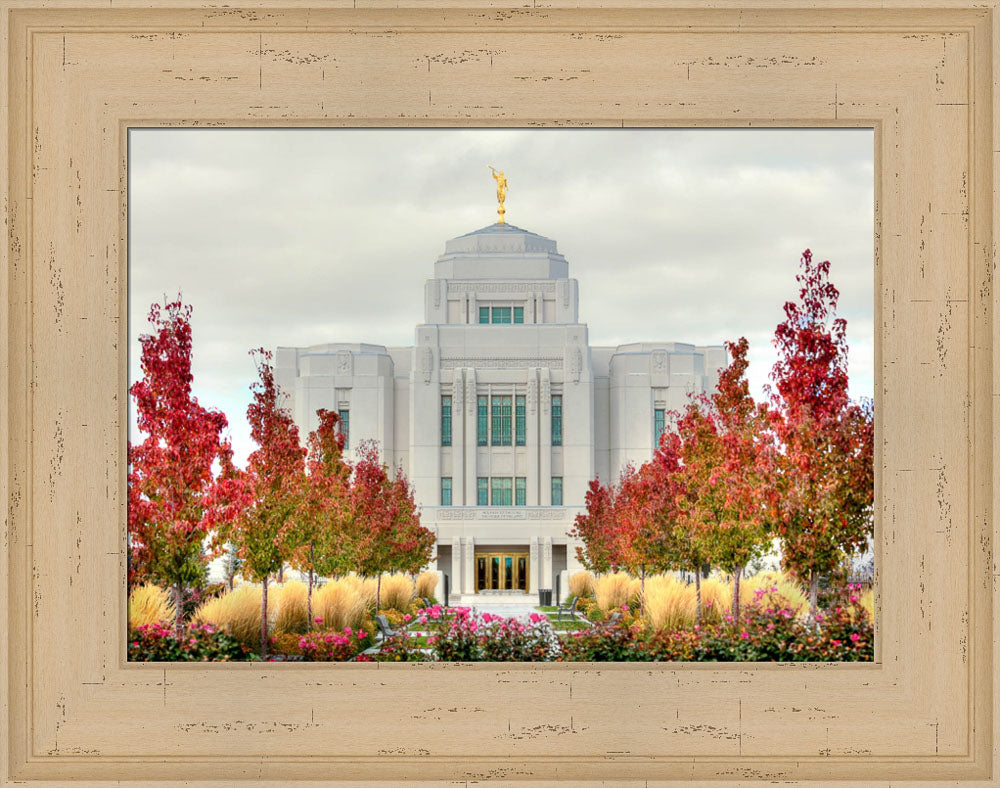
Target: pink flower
(855, 637)
(328, 638)
(744, 635)
(435, 614)
(362, 635)
(536, 617)
(835, 642)
(135, 644)
(407, 617)
(697, 627)
(347, 631)
(854, 597)
(770, 625)
(729, 618)
(318, 620)
(625, 608)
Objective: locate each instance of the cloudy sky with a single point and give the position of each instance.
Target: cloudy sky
(301, 236)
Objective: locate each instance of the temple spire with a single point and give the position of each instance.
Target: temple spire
(501, 191)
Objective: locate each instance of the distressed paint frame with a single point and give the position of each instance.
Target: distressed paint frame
(76, 79)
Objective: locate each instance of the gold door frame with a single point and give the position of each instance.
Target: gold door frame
(484, 579)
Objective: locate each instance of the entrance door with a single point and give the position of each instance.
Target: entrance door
(502, 572)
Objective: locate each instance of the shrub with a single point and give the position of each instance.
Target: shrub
(332, 646)
(400, 648)
(290, 607)
(462, 635)
(286, 643)
(670, 603)
(395, 618)
(790, 590)
(581, 584)
(427, 584)
(236, 612)
(603, 643)
(341, 603)
(612, 591)
(148, 605)
(397, 591)
(198, 643)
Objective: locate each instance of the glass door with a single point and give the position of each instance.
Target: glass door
(502, 572)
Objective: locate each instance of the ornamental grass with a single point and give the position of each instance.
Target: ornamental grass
(611, 591)
(427, 584)
(397, 591)
(716, 599)
(341, 603)
(363, 587)
(669, 604)
(236, 612)
(149, 604)
(581, 584)
(789, 589)
(289, 601)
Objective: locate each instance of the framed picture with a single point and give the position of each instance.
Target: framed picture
(78, 80)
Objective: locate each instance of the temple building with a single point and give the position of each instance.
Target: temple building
(501, 412)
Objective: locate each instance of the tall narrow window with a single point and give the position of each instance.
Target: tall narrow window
(482, 491)
(557, 490)
(501, 314)
(501, 420)
(518, 314)
(345, 426)
(500, 492)
(520, 491)
(519, 420)
(484, 314)
(659, 425)
(482, 421)
(557, 434)
(446, 491)
(446, 420)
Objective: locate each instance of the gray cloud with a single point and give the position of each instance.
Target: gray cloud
(295, 237)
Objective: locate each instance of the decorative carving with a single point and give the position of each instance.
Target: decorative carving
(564, 291)
(547, 551)
(345, 362)
(437, 292)
(532, 393)
(500, 362)
(457, 394)
(575, 363)
(658, 361)
(470, 393)
(500, 287)
(504, 513)
(426, 363)
(546, 396)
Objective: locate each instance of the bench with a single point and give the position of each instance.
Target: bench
(571, 609)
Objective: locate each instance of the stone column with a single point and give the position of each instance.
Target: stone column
(534, 569)
(545, 442)
(470, 437)
(469, 565)
(458, 440)
(531, 439)
(546, 579)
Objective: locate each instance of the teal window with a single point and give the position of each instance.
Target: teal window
(482, 491)
(500, 492)
(557, 434)
(482, 421)
(501, 420)
(519, 420)
(345, 425)
(446, 420)
(520, 491)
(518, 314)
(659, 425)
(446, 491)
(501, 314)
(557, 490)
(484, 314)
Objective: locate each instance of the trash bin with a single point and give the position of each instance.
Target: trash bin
(545, 595)
(541, 597)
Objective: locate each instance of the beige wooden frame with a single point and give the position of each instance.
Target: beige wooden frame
(75, 79)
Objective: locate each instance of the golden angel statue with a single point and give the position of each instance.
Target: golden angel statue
(501, 190)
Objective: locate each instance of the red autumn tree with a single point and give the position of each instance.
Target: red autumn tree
(823, 486)
(596, 527)
(170, 474)
(262, 528)
(728, 467)
(387, 533)
(324, 542)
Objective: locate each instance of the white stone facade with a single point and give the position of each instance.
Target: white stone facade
(521, 373)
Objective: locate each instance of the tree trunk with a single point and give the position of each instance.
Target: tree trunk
(736, 592)
(263, 621)
(697, 596)
(378, 592)
(309, 594)
(813, 594)
(178, 610)
(642, 592)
